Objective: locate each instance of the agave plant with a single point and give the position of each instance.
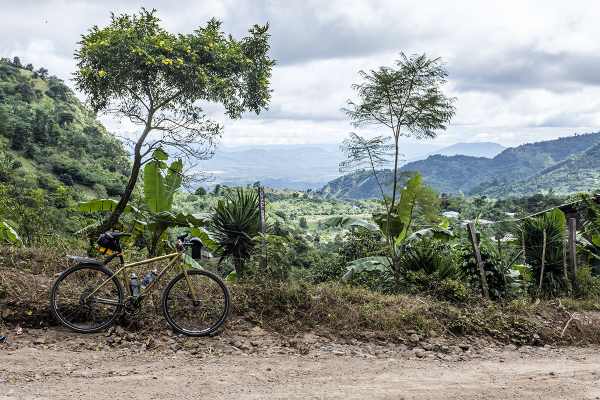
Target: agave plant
(430, 256)
(234, 226)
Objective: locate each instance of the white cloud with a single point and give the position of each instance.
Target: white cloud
(521, 70)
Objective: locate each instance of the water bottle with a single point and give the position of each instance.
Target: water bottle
(134, 284)
(149, 278)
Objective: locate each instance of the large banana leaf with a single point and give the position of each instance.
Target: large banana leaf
(434, 232)
(8, 234)
(401, 217)
(173, 180)
(178, 219)
(100, 205)
(348, 222)
(396, 226)
(406, 205)
(160, 154)
(155, 191)
(375, 263)
(190, 262)
(205, 238)
(160, 186)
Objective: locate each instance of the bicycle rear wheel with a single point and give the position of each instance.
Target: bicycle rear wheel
(73, 304)
(198, 308)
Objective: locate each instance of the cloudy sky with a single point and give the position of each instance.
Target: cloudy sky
(522, 71)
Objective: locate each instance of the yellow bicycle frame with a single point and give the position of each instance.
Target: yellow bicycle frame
(174, 257)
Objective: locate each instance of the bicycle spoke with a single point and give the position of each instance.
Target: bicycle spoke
(199, 312)
(76, 308)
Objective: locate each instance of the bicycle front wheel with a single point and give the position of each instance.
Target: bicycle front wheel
(196, 304)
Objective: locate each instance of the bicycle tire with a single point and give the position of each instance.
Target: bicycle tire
(177, 326)
(69, 324)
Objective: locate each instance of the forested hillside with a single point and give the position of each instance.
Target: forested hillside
(576, 173)
(565, 165)
(52, 150)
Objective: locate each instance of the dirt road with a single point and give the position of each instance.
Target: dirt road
(33, 373)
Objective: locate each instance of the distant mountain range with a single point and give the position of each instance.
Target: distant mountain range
(564, 165)
(478, 149)
(301, 167)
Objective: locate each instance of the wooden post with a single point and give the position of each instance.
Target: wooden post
(261, 210)
(544, 241)
(473, 238)
(573, 250)
(523, 246)
(565, 264)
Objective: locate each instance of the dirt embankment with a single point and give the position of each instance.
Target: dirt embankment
(335, 311)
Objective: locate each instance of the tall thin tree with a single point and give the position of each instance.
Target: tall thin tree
(408, 100)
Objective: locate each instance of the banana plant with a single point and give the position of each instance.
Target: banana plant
(8, 234)
(151, 222)
(395, 226)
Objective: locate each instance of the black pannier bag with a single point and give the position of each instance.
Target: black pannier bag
(196, 246)
(108, 244)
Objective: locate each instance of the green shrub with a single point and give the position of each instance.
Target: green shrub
(327, 267)
(378, 281)
(502, 281)
(588, 285)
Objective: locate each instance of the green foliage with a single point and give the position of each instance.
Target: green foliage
(394, 225)
(552, 225)
(502, 282)
(350, 222)
(48, 162)
(328, 267)
(234, 226)
(156, 79)
(432, 257)
(589, 238)
(161, 182)
(302, 223)
(8, 234)
(159, 187)
(150, 222)
(101, 205)
(431, 266)
(277, 251)
(36, 130)
(374, 263)
(588, 285)
(206, 64)
(406, 97)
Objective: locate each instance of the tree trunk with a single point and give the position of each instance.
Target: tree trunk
(390, 239)
(135, 170)
(238, 264)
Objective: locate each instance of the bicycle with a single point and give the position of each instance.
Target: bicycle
(88, 296)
